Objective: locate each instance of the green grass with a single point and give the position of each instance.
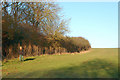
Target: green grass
(97, 63)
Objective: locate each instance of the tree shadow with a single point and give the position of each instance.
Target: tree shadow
(90, 69)
(96, 68)
(28, 59)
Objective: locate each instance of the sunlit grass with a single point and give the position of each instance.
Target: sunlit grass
(97, 63)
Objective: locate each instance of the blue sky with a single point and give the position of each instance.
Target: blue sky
(95, 21)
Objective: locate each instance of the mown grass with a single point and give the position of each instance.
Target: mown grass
(97, 63)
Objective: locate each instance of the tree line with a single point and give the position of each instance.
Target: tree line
(39, 28)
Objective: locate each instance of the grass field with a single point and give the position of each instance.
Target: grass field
(97, 63)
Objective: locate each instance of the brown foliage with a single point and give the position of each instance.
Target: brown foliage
(38, 28)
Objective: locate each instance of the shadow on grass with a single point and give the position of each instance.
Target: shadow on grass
(90, 69)
(96, 68)
(29, 59)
